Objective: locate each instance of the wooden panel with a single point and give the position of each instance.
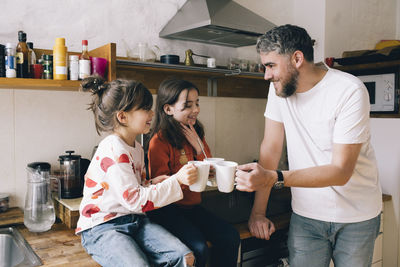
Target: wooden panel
(108, 51)
(152, 79)
(239, 87)
(280, 221)
(65, 214)
(368, 66)
(39, 84)
(12, 216)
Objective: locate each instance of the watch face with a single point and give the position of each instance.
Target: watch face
(279, 185)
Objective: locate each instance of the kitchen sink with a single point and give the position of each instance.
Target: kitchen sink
(15, 251)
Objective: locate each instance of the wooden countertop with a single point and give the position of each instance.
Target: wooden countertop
(61, 247)
(58, 247)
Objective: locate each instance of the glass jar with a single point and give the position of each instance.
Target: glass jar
(48, 67)
(4, 199)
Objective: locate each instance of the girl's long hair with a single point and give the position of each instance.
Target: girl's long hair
(170, 129)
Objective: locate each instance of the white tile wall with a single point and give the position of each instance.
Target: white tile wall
(7, 155)
(239, 128)
(47, 123)
(41, 125)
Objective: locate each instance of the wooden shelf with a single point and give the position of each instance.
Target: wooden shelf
(107, 51)
(369, 66)
(39, 84)
(211, 82)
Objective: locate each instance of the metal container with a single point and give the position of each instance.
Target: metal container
(71, 180)
(4, 200)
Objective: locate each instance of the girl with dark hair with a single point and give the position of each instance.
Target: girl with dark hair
(175, 140)
(113, 226)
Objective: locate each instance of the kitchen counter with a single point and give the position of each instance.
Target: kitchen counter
(58, 247)
(61, 247)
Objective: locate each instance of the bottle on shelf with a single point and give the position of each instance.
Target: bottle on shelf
(11, 64)
(2, 62)
(31, 58)
(73, 67)
(60, 60)
(22, 56)
(84, 61)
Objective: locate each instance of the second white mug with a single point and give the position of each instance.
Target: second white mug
(225, 174)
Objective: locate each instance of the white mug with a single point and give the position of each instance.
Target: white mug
(203, 170)
(211, 62)
(225, 174)
(213, 161)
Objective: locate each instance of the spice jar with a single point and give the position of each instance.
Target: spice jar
(73, 67)
(48, 67)
(4, 199)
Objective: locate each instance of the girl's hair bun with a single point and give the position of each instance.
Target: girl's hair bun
(95, 84)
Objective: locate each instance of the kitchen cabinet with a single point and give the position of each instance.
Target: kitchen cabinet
(211, 82)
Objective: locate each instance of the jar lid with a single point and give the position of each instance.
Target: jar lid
(73, 57)
(69, 156)
(48, 57)
(21, 36)
(4, 196)
(40, 166)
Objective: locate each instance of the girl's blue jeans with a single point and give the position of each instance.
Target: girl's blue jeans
(314, 243)
(133, 240)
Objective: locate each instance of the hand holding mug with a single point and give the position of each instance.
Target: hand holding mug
(252, 177)
(187, 175)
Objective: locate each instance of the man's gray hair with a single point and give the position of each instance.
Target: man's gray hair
(285, 40)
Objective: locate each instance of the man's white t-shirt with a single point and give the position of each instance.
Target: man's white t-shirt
(336, 110)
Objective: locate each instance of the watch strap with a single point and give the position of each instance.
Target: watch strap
(279, 183)
(280, 175)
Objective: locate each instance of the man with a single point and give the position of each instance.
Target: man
(324, 114)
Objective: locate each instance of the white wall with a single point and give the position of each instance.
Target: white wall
(385, 135)
(358, 24)
(398, 21)
(101, 22)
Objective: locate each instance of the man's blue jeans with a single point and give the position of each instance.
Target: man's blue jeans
(132, 240)
(314, 243)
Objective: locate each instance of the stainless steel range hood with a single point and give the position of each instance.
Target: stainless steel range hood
(219, 22)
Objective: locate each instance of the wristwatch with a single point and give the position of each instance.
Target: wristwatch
(280, 183)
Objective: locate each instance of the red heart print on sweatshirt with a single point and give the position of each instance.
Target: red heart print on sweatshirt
(148, 206)
(90, 209)
(106, 163)
(123, 158)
